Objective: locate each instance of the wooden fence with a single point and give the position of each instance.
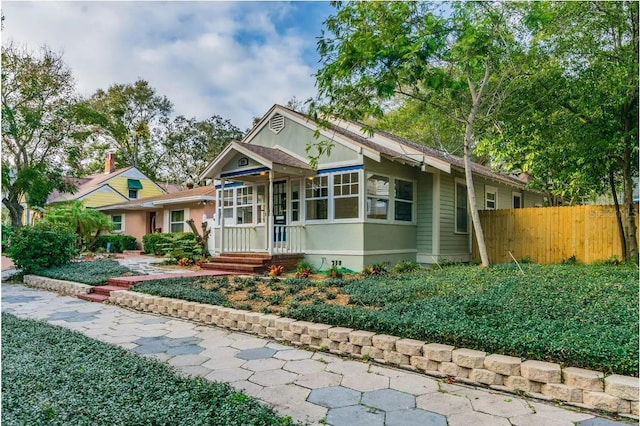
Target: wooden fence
(551, 234)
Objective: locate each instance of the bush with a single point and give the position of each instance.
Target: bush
(7, 232)
(41, 246)
(304, 268)
(95, 272)
(119, 243)
(54, 376)
(176, 245)
(376, 269)
(406, 266)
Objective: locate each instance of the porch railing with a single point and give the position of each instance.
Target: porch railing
(239, 240)
(288, 239)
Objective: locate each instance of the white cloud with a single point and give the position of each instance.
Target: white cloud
(234, 59)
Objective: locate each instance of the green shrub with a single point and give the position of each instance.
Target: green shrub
(41, 246)
(177, 245)
(7, 232)
(55, 376)
(95, 272)
(375, 269)
(119, 243)
(406, 266)
(193, 289)
(304, 268)
(87, 223)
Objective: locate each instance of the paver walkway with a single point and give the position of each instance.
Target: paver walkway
(311, 387)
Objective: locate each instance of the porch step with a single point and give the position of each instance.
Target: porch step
(106, 290)
(242, 260)
(93, 297)
(248, 254)
(250, 268)
(252, 263)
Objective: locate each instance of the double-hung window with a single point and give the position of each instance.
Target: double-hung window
(176, 221)
(403, 204)
(116, 220)
(244, 205)
(377, 197)
(345, 195)
(317, 197)
(490, 197)
(462, 210)
(517, 200)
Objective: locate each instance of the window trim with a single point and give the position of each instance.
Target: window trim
(135, 192)
(333, 196)
(171, 222)
(388, 198)
(514, 195)
(121, 230)
(412, 201)
(488, 189)
(328, 198)
(462, 182)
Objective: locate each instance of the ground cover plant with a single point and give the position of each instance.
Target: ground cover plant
(54, 376)
(578, 315)
(94, 272)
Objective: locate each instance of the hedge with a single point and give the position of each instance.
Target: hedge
(119, 243)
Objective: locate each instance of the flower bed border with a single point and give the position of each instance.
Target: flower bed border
(543, 380)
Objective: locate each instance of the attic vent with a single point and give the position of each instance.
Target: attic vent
(276, 123)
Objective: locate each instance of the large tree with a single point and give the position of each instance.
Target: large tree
(130, 119)
(37, 122)
(573, 123)
(452, 60)
(190, 145)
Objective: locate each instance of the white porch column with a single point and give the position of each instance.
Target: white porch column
(221, 215)
(270, 222)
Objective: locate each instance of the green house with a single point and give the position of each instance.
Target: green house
(374, 198)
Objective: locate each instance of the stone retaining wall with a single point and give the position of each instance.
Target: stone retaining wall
(544, 380)
(69, 288)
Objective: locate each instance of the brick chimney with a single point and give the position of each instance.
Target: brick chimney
(109, 165)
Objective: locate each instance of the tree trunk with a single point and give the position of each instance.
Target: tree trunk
(202, 239)
(623, 240)
(629, 208)
(15, 211)
(468, 174)
(471, 194)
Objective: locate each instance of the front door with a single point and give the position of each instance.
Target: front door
(279, 210)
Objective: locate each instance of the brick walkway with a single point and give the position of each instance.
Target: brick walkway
(315, 388)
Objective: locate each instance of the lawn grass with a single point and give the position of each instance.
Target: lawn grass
(577, 315)
(54, 376)
(94, 272)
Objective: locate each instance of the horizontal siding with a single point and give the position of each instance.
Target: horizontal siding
(505, 194)
(424, 231)
(451, 244)
(149, 189)
(102, 198)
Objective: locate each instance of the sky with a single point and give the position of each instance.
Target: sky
(233, 59)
